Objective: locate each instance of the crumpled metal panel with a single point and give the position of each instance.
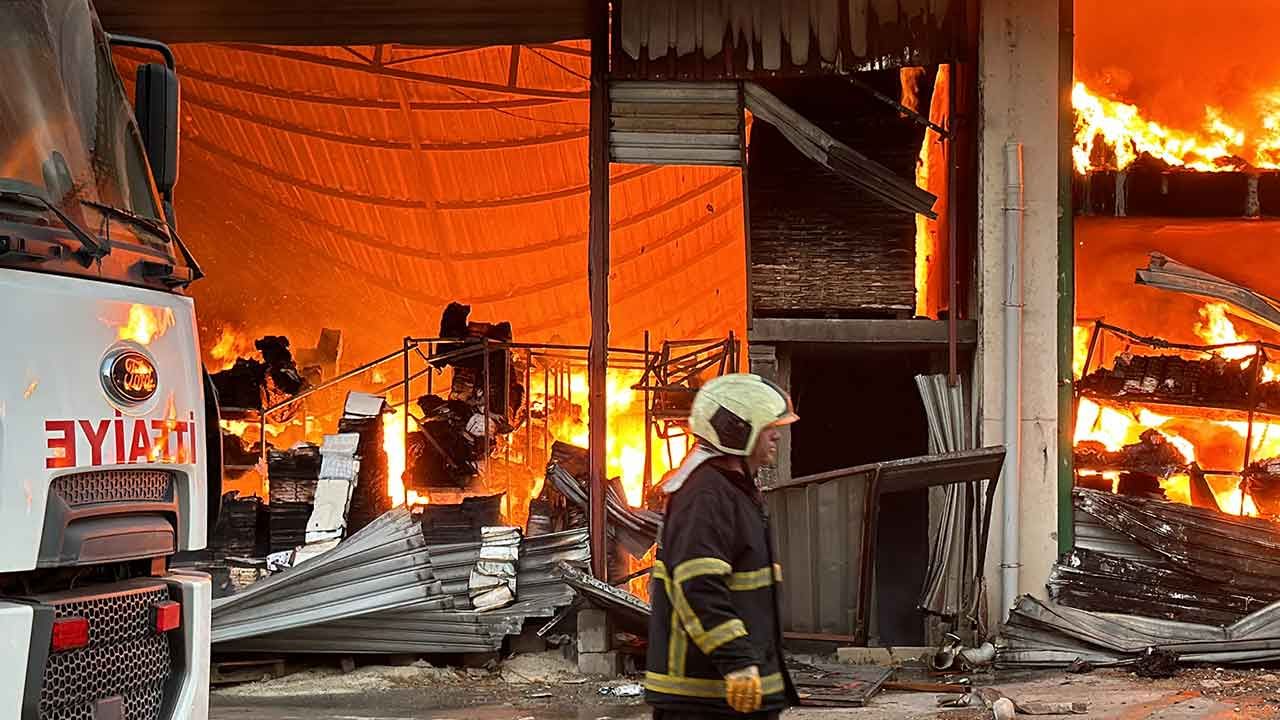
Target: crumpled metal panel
(386, 565)
(1045, 634)
(434, 625)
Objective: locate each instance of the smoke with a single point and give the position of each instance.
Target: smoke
(1172, 58)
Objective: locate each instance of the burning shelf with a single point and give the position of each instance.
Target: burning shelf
(1224, 386)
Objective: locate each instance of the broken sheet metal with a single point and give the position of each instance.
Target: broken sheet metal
(826, 150)
(1046, 634)
(535, 568)
(831, 685)
(436, 624)
(627, 609)
(384, 566)
(1166, 273)
(1165, 560)
(678, 39)
(492, 583)
(824, 527)
(636, 529)
(1240, 555)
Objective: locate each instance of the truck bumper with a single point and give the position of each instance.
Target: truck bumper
(24, 642)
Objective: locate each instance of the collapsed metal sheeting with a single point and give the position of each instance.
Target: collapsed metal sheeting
(1238, 554)
(437, 623)
(635, 528)
(1041, 634)
(384, 566)
(627, 608)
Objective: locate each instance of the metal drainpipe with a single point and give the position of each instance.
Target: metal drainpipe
(1013, 218)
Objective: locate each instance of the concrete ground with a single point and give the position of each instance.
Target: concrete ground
(534, 691)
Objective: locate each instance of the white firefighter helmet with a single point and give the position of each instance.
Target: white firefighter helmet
(731, 411)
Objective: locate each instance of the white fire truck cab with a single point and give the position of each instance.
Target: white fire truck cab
(110, 457)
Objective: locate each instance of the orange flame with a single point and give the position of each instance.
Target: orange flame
(230, 346)
(146, 323)
(1119, 133)
(624, 448)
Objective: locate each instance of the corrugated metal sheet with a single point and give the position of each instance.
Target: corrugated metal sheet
(384, 566)
(1046, 634)
(678, 39)
(349, 22)
(443, 623)
(824, 530)
(672, 123)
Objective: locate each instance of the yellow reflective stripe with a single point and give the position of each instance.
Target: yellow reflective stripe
(752, 580)
(721, 634)
(677, 647)
(700, 688)
(697, 567)
(777, 573)
(685, 572)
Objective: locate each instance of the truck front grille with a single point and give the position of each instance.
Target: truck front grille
(114, 486)
(125, 657)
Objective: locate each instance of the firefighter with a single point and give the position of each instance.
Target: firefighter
(715, 637)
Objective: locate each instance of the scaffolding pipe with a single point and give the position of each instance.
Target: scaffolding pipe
(1013, 226)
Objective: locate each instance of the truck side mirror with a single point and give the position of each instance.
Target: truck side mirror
(156, 108)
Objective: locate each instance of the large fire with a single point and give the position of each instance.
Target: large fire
(145, 323)
(1115, 427)
(1110, 134)
(567, 415)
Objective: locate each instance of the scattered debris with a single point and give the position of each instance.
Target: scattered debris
(837, 685)
(1156, 664)
(622, 690)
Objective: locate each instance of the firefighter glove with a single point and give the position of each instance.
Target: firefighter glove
(743, 690)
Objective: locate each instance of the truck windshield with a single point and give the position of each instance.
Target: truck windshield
(67, 132)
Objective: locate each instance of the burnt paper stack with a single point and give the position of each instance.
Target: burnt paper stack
(493, 579)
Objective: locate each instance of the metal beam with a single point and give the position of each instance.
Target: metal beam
(598, 277)
(900, 332)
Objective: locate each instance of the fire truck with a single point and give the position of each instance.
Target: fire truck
(110, 455)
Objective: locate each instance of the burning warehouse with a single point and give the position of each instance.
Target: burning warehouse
(406, 223)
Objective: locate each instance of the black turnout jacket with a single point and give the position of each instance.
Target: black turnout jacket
(714, 596)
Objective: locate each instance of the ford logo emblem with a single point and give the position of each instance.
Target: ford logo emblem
(129, 376)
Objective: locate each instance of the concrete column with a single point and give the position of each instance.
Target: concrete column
(1019, 92)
